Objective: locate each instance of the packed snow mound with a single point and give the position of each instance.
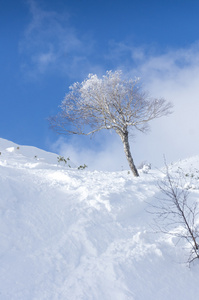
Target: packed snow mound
(68, 234)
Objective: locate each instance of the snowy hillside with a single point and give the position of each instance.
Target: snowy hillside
(68, 234)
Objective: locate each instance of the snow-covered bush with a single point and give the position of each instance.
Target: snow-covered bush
(144, 167)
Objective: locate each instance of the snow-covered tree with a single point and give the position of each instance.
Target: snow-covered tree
(110, 102)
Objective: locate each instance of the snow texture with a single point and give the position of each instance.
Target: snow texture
(68, 234)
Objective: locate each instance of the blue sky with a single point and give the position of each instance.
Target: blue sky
(48, 45)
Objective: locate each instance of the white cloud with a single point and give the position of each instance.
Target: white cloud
(174, 76)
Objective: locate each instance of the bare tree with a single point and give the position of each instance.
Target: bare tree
(108, 103)
(176, 214)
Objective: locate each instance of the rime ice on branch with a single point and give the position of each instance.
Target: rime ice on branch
(112, 103)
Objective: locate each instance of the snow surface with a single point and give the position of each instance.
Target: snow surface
(73, 234)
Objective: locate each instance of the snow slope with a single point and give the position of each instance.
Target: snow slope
(68, 234)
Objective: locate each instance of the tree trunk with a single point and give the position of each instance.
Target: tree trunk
(125, 141)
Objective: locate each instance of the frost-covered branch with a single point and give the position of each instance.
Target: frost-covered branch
(109, 103)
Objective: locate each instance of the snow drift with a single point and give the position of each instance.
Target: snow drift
(73, 234)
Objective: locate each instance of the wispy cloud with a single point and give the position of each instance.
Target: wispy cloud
(51, 43)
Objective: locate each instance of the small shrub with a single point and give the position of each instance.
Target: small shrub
(61, 159)
(82, 167)
(65, 161)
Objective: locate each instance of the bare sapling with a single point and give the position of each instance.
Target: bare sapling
(176, 214)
